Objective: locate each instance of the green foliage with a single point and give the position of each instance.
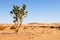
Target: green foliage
(18, 14)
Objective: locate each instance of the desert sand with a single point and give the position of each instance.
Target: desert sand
(31, 31)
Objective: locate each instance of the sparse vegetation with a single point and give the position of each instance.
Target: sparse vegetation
(13, 27)
(2, 28)
(58, 27)
(51, 27)
(43, 26)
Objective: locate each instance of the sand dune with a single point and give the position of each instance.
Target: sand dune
(31, 31)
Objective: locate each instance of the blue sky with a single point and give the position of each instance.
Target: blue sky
(41, 11)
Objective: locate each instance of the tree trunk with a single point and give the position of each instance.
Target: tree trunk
(19, 26)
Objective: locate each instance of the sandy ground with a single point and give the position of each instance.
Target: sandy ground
(30, 33)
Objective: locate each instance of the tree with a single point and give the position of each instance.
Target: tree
(18, 15)
(14, 13)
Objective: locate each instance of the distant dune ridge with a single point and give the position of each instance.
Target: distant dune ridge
(31, 31)
(54, 25)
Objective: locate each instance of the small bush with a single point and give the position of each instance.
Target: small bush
(51, 27)
(59, 27)
(13, 27)
(25, 27)
(2, 28)
(43, 26)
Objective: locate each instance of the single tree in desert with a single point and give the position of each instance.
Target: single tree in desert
(22, 14)
(18, 15)
(14, 13)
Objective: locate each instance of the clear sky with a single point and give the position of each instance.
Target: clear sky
(44, 11)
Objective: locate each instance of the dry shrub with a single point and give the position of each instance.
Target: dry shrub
(58, 27)
(51, 26)
(13, 27)
(42, 26)
(25, 27)
(2, 28)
